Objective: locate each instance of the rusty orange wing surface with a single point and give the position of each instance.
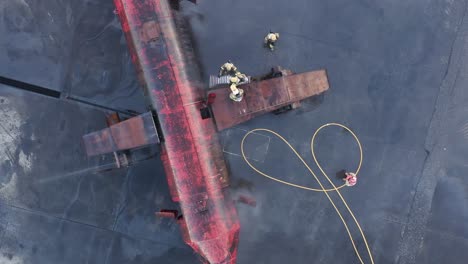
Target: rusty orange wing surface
(132, 133)
(266, 96)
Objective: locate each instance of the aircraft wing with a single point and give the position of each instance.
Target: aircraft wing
(132, 133)
(266, 96)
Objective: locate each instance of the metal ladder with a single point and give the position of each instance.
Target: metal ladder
(215, 80)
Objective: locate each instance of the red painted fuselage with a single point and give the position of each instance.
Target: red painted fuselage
(191, 154)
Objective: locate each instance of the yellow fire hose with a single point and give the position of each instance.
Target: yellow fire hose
(323, 189)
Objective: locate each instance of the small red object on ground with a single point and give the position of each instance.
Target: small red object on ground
(351, 179)
(247, 200)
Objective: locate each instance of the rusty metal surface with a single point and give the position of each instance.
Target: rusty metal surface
(247, 200)
(191, 154)
(303, 85)
(112, 119)
(132, 133)
(266, 96)
(167, 214)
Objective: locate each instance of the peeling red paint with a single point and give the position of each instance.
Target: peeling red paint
(191, 154)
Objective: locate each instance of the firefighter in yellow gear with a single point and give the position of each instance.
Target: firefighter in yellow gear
(234, 80)
(236, 93)
(227, 68)
(271, 39)
(242, 77)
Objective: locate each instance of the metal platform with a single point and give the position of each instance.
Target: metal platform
(265, 96)
(135, 132)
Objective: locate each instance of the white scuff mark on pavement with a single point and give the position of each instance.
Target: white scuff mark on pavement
(9, 252)
(10, 258)
(11, 122)
(51, 17)
(10, 137)
(8, 191)
(25, 161)
(9, 130)
(464, 130)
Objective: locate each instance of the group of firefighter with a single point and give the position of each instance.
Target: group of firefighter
(236, 77)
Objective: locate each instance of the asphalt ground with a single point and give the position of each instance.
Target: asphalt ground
(398, 79)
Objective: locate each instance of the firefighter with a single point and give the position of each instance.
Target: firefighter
(242, 77)
(236, 93)
(350, 179)
(271, 39)
(227, 68)
(234, 80)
